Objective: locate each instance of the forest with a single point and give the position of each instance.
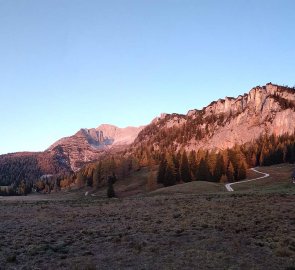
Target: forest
(173, 166)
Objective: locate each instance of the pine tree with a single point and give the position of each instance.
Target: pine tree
(185, 174)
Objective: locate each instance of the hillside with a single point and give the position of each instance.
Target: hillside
(28, 167)
(269, 109)
(66, 155)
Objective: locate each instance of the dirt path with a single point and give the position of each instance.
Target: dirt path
(229, 188)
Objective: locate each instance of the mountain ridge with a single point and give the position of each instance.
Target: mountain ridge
(223, 123)
(264, 110)
(87, 145)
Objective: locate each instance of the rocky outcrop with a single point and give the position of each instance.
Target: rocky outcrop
(89, 144)
(222, 124)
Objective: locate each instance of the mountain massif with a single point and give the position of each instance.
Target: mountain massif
(269, 109)
(266, 111)
(89, 144)
(67, 155)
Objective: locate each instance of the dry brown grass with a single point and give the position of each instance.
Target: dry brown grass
(196, 187)
(183, 230)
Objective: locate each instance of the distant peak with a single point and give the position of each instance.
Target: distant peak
(106, 126)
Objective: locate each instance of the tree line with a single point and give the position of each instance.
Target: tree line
(201, 166)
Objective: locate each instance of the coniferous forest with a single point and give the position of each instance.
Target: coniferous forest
(182, 166)
(174, 167)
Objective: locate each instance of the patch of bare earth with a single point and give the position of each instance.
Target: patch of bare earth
(225, 231)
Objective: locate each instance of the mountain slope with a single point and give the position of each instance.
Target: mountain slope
(269, 109)
(66, 155)
(88, 144)
(30, 166)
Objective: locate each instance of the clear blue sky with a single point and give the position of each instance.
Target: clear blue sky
(67, 64)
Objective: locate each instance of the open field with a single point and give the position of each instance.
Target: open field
(199, 187)
(278, 181)
(217, 230)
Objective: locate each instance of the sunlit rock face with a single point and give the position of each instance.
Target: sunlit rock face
(268, 109)
(88, 144)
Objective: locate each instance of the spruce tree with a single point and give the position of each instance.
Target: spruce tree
(111, 180)
(184, 169)
(203, 171)
(177, 160)
(169, 179)
(219, 168)
(110, 192)
(193, 164)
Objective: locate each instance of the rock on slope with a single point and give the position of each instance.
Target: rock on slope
(88, 144)
(269, 109)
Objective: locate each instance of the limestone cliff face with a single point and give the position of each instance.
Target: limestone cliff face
(88, 144)
(268, 109)
(222, 124)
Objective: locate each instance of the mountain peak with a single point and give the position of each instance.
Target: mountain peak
(89, 143)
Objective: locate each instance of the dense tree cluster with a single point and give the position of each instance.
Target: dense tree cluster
(20, 171)
(225, 166)
(203, 166)
(96, 174)
(269, 150)
(18, 168)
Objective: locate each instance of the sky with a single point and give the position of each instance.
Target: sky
(71, 64)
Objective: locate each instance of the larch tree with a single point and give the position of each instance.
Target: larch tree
(230, 172)
(193, 164)
(162, 171)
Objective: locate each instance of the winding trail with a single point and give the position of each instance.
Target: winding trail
(229, 188)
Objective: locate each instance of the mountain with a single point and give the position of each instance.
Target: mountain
(224, 123)
(89, 144)
(230, 123)
(66, 155)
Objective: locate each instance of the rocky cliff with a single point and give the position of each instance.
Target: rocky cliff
(269, 109)
(88, 144)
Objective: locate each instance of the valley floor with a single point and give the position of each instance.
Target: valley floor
(160, 231)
